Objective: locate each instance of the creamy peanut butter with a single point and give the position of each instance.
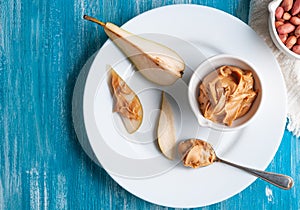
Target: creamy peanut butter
(196, 153)
(227, 94)
(126, 102)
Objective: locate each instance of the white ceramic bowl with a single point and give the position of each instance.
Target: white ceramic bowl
(209, 65)
(272, 30)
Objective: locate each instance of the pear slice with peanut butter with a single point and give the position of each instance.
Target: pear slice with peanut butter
(166, 134)
(126, 103)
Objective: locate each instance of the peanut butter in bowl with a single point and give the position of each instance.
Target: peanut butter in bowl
(227, 94)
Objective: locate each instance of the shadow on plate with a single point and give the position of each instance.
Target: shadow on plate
(77, 110)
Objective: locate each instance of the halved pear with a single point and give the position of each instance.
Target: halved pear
(155, 61)
(166, 134)
(126, 103)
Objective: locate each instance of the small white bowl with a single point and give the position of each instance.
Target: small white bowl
(273, 32)
(209, 65)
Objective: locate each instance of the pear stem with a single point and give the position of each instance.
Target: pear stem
(86, 17)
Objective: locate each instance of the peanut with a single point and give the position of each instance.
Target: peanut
(296, 49)
(286, 16)
(278, 23)
(295, 20)
(296, 8)
(286, 28)
(290, 42)
(287, 24)
(287, 5)
(297, 31)
(279, 12)
(283, 37)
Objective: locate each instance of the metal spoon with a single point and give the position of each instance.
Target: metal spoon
(198, 153)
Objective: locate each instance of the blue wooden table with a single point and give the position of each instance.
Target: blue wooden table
(43, 46)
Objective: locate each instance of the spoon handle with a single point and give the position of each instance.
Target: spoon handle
(279, 180)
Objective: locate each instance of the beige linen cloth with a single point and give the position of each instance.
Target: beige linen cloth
(258, 20)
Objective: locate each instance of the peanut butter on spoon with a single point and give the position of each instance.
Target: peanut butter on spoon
(197, 153)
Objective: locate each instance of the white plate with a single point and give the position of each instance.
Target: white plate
(134, 161)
